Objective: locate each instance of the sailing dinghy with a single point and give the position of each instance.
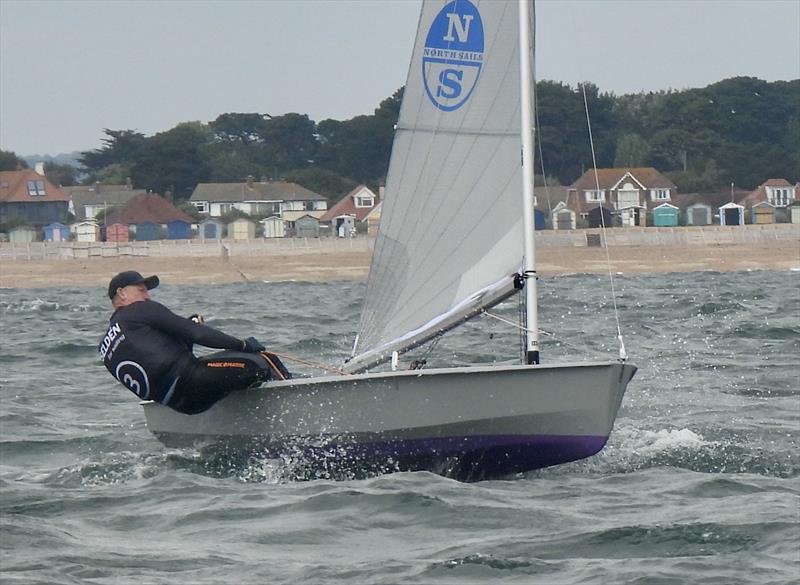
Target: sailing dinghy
(456, 238)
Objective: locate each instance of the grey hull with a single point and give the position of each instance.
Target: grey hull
(470, 423)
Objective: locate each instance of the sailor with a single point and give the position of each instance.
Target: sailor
(148, 348)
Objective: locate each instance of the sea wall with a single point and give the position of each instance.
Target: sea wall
(612, 237)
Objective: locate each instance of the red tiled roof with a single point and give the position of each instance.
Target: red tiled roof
(347, 206)
(147, 207)
(14, 187)
(760, 194)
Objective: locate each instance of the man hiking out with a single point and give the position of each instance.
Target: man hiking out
(148, 348)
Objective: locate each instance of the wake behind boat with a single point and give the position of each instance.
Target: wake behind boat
(456, 238)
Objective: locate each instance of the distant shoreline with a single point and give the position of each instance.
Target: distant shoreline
(322, 265)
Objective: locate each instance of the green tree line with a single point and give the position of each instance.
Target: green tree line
(741, 130)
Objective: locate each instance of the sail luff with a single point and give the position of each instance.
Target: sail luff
(527, 130)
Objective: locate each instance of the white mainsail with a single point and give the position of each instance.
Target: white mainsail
(450, 239)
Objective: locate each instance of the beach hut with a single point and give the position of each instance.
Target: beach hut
(538, 219)
(344, 225)
(600, 217)
(306, 227)
(56, 232)
(563, 217)
(242, 229)
(794, 212)
(731, 214)
(698, 214)
(762, 213)
(22, 234)
(177, 229)
(117, 232)
(665, 215)
(147, 230)
(211, 229)
(274, 227)
(86, 231)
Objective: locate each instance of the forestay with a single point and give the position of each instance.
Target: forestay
(450, 238)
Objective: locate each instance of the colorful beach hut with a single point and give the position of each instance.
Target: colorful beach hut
(538, 219)
(306, 227)
(731, 214)
(698, 214)
(86, 231)
(117, 232)
(563, 217)
(22, 234)
(274, 227)
(762, 213)
(665, 215)
(147, 230)
(242, 229)
(177, 229)
(56, 232)
(211, 229)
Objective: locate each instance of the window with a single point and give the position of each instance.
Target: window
(660, 194)
(36, 188)
(225, 208)
(781, 197)
(310, 205)
(594, 195)
(363, 202)
(202, 206)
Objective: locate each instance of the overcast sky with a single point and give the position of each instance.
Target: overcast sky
(69, 68)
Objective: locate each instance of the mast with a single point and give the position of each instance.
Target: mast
(527, 130)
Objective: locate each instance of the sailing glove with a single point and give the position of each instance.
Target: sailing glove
(252, 345)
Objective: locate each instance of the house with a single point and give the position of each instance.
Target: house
(628, 192)
(146, 213)
(27, 196)
(356, 205)
(86, 201)
(267, 198)
(777, 192)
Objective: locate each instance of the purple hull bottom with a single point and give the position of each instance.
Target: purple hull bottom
(472, 458)
(482, 457)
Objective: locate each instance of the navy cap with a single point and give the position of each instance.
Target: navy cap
(128, 278)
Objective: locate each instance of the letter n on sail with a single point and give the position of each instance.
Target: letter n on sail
(453, 55)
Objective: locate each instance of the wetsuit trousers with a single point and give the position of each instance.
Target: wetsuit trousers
(208, 379)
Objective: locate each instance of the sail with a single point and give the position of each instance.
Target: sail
(450, 237)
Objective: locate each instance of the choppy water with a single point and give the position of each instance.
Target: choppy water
(700, 482)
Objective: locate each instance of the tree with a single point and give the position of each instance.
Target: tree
(61, 174)
(9, 161)
(123, 147)
(173, 160)
(632, 151)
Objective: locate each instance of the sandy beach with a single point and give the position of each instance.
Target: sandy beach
(326, 265)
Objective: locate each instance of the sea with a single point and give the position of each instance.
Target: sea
(698, 484)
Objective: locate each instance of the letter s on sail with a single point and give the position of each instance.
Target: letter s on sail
(133, 377)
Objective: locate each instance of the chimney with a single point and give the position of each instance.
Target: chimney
(381, 192)
(128, 184)
(250, 181)
(97, 186)
(40, 167)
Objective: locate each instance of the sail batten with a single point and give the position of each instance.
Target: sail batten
(451, 219)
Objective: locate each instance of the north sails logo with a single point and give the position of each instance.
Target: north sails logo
(453, 55)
